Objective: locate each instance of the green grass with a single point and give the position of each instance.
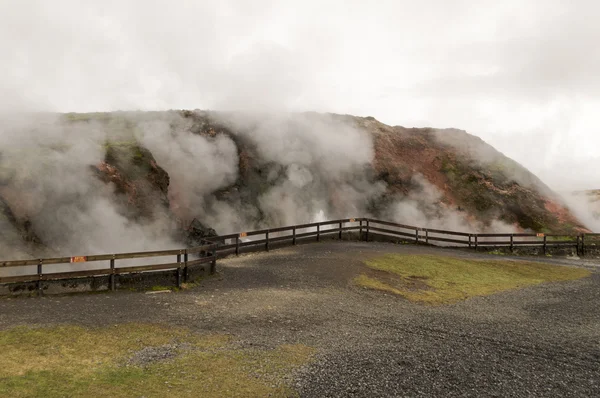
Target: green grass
(158, 288)
(75, 361)
(442, 280)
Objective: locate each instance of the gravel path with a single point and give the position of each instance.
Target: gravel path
(539, 341)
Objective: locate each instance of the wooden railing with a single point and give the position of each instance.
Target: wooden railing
(206, 253)
(291, 234)
(263, 239)
(487, 240)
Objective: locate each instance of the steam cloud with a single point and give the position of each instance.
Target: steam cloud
(315, 164)
(48, 181)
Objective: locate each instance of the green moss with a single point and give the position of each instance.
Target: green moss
(131, 159)
(69, 361)
(449, 279)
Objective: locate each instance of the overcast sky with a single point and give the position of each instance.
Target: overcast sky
(523, 75)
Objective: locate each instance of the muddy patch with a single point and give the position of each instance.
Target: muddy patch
(412, 283)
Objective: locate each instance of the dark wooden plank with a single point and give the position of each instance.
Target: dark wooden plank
(259, 232)
(441, 231)
(392, 232)
(19, 263)
(353, 228)
(19, 278)
(223, 237)
(306, 234)
(101, 257)
(494, 243)
(281, 238)
(393, 224)
(448, 240)
(529, 242)
(311, 225)
(159, 253)
(506, 235)
(333, 222)
(280, 229)
(253, 243)
(75, 274)
(562, 243)
(155, 267)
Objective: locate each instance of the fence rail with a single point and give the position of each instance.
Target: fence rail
(208, 255)
(263, 239)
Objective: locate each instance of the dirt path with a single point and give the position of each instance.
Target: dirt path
(538, 341)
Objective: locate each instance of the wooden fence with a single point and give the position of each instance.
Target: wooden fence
(206, 253)
(580, 243)
(263, 239)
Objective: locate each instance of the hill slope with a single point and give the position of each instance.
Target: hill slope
(133, 180)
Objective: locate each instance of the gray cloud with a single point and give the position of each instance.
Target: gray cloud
(501, 70)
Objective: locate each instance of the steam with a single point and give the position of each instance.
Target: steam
(586, 207)
(50, 183)
(423, 207)
(297, 165)
(197, 165)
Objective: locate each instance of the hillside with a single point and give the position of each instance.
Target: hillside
(136, 180)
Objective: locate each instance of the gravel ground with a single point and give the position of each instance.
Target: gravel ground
(539, 341)
(150, 355)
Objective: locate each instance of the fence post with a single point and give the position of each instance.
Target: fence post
(417, 235)
(178, 284)
(267, 241)
(577, 247)
(318, 232)
(294, 235)
(360, 231)
(112, 275)
(186, 271)
(340, 234)
(583, 245)
(476, 241)
(237, 245)
(545, 244)
(367, 234)
(39, 282)
(213, 264)
(512, 243)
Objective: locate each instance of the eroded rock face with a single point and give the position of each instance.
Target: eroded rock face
(469, 176)
(143, 184)
(198, 233)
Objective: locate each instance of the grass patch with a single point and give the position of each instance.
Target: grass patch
(75, 361)
(160, 288)
(443, 280)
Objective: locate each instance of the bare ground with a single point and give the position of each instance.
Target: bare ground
(539, 341)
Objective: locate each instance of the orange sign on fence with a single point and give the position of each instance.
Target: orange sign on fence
(80, 259)
(540, 235)
(352, 220)
(243, 234)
